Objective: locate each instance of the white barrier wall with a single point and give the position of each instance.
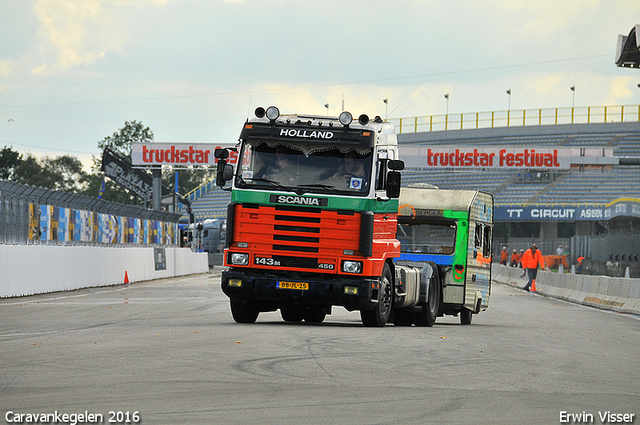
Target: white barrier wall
(37, 269)
(609, 293)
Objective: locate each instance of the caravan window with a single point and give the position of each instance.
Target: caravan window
(478, 236)
(427, 238)
(486, 243)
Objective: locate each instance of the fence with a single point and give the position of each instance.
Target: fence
(518, 117)
(608, 293)
(34, 215)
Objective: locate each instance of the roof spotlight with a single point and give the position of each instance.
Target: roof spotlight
(345, 118)
(363, 119)
(273, 113)
(259, 112)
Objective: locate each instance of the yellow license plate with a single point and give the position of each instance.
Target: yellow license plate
(292, 285)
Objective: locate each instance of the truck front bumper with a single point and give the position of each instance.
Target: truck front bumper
(352, 293)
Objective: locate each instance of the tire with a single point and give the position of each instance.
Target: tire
(465, 316)
(314, 315)
(379, 316)
(244, 312)
(291, 314)
(427, 317)
(402, 318)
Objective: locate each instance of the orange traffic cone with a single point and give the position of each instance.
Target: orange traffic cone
(533, 285)
(126, 278)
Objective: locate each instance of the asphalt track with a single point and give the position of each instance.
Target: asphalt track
(170, 351)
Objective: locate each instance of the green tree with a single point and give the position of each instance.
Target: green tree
(120, 141)
(112, 191)
(9, 160)
(30, 171)
(67, 172)
(132, 132)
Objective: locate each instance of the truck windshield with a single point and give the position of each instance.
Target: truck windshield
(428, 238)
(305, 167)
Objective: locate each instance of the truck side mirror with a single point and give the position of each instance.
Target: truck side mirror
(221, 153)
(396, 164)
(224, 172)
(393, 184)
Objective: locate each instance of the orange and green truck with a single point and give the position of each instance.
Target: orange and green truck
(312, 224)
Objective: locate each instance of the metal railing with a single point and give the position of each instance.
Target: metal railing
(518, 117)
(34, 215)
(201, 190)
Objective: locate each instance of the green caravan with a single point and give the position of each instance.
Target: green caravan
(313, 217)
(445, 264)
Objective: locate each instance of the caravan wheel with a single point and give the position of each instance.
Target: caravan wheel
(465, 316)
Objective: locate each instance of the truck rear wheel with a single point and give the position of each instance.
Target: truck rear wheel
(379, 316)
(429, 313)
(244, 312)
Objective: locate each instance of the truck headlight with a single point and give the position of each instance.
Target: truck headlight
(239, 259)
(349, 266)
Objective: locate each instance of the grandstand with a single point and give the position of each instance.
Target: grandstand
(580, 185)
(208, 201)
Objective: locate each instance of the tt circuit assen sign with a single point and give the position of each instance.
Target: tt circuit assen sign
(177, 154)
(622, 207)
(486, 157)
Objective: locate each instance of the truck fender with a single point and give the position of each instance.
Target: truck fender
(407, 286)
(426, 271)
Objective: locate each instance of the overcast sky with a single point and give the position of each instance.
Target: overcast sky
(73, 71)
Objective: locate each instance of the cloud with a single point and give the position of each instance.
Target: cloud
(75, 32)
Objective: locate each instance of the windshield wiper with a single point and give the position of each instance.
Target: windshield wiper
(261, 180)
(325, 186)
(321, 186)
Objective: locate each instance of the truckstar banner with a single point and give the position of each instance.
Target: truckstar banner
(184, 154)
(487, 157)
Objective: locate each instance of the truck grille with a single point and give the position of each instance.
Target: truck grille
(296, 237)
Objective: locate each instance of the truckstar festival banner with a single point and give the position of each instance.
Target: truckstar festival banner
(487, 157)
(183, 154)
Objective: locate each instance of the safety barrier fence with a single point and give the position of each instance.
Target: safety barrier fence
(40, 269)
(518, 117)
(608, 293)
(34, 215)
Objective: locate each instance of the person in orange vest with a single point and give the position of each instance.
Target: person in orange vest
(520, 254)
(503, 256)
(515, 259)
(580, 260)
(531, 259)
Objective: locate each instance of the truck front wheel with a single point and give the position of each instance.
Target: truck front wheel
(291, 314)
(429, 313)
(314, 315)
(379, 316)
(244, 312)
